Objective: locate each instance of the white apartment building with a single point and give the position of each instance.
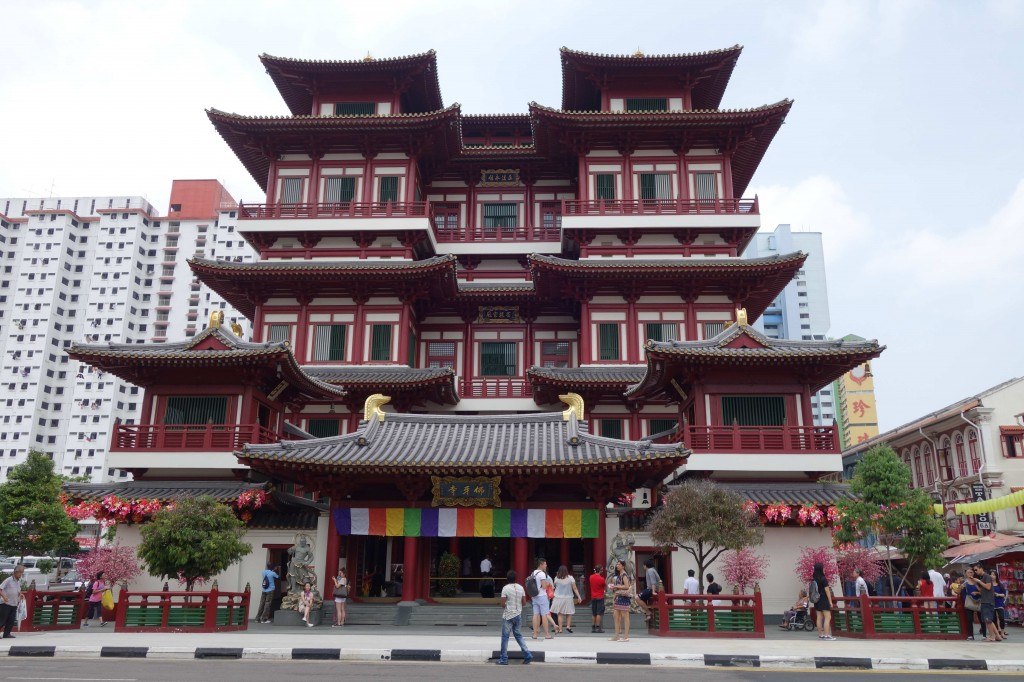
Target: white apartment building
(801, 311)
(95, 269)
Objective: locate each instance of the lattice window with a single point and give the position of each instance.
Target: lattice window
(441, 354)
(339, 190)
(355, 108)
(291, 190)
(604, 186)
(196, 410)
(380, 342)
(387, 188)
(323, 428)
(329, 342)
(662, 331)
(555, 354)
(498, 358)
(753, 410)
(608, 334)
(610, 428)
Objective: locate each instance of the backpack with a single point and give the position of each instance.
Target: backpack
(266, 583)
(813, 594)
(531, 585)
(88, 590)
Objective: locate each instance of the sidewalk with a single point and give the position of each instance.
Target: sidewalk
(790, 650)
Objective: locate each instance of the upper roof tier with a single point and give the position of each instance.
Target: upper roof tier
(302, 81)
(704, 74)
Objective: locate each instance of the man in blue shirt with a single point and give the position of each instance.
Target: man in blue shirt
(972, 591)
(270, 577)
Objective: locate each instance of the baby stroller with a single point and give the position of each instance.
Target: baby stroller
(800, 619)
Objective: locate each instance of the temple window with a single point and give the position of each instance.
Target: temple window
(441, 354)
(329, 342)
(662, 331)
(499, 358)
(706, 186)
(338, 189)
(555, 354)
(355, 108)
(608, 336)
(387, 188)
(276, 333)
(713, 329)
(646, 104)
(504, 216)
(656, 426)
(323, 428)
(380, 343)
(610, 428)
(655, 186)
(604, 186)
(291, 190)
(766, 410)
(196, 410)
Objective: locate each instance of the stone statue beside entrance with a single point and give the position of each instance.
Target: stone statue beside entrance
(301, 570)
(622, 550)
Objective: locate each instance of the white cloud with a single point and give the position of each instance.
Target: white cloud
(833, 30)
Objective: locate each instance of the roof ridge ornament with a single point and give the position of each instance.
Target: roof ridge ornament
(575, 403)
(372, 406)
(216, 319)
(741, 317)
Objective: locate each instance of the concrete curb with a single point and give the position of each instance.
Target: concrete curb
(515, 657)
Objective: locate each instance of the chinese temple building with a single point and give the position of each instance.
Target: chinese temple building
(472, 273)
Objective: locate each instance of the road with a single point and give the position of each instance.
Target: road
(121, 670)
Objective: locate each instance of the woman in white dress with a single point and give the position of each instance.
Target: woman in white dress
(566, 598)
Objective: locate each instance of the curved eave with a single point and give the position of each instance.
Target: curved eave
(712, 68)
(440, 389)
(294, 78)
(255, 139)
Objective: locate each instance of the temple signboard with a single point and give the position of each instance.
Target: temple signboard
(499, 177)
(479, 491)
(508, 314)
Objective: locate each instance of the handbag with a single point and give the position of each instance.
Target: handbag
(341, 592)
(550, 591)
(971, 604)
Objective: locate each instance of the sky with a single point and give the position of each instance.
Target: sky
(904, 147)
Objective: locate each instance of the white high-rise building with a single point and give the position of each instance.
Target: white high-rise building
(800, 312)
(97, 269)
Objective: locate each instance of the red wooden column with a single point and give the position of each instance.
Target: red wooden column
(333, 554)
(404, 327)
(601, 541)
(410, 588)
(146, 415)
(520, 559)
(632, 330)
(585, 353)
(302, 328)
(563, 552)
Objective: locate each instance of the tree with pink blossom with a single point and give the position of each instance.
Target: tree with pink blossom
(744, 568)
(809, 556)
(119, 564)
(852, 556)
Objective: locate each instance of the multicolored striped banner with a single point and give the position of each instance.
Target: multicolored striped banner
(468, 523)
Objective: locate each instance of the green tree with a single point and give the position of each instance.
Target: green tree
(887, 507)
(32, 518)
(195, 540)
(705, 520)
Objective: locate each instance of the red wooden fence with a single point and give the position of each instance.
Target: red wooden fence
(48, 610)
(899, 618)
(709, 615)
(212, 611)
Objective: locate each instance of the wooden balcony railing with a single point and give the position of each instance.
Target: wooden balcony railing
(196, 437)
(613, 207)
(496, 234)
(761, 439)
(345, 209)
(496, 388)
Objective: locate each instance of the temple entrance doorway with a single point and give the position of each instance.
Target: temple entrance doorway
(470, 553)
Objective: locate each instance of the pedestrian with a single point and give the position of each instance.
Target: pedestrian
(651, 582)
(925, 588)
(714, 588)
(306, 604)
(790, 615)
(622, 589)
(567, 595)
(860, 586)
(485, 565)
(513, 598)
(598, 586)
(999, 590)
(971, 595)
(983, 582)
(95, 598)
(340, 597)
(541, 602)
(820, 595)
(939, 582)
(10, 598)
(271, 574)
(690, 585)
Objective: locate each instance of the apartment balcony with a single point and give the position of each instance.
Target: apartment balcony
(660, 213)
(762, 439)
(188, 437)
(495, 388)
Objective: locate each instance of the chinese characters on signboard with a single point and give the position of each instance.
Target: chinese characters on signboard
(501, 314)
(480, 491)
(978, 494)
(499, 177)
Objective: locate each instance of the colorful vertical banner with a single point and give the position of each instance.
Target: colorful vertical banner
(468, 523)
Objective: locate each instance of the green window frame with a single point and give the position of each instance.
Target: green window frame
(610, 428)
(276, 333)
(646, 104)
(655, 186)
(754, 410)
(608, 335)
(387, 189)
(323, 428)
(656, 426)
(339, 189)
(604, 186)
(380, 342)
(329, 342)
(201, 409)
(662, 331)
(503, 215)
(355, 108)
(499, 358)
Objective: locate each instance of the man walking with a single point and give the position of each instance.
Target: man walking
(513, 597)
(860, 586)
(541, 603)
(987, 600)
(939, 583)
(690, 585)
(270, 577)
(598, 588)
(10, 597)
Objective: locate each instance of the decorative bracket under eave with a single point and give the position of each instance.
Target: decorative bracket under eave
(372, 406)
(575, 403)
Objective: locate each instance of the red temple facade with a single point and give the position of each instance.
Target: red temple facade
(469, 270)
